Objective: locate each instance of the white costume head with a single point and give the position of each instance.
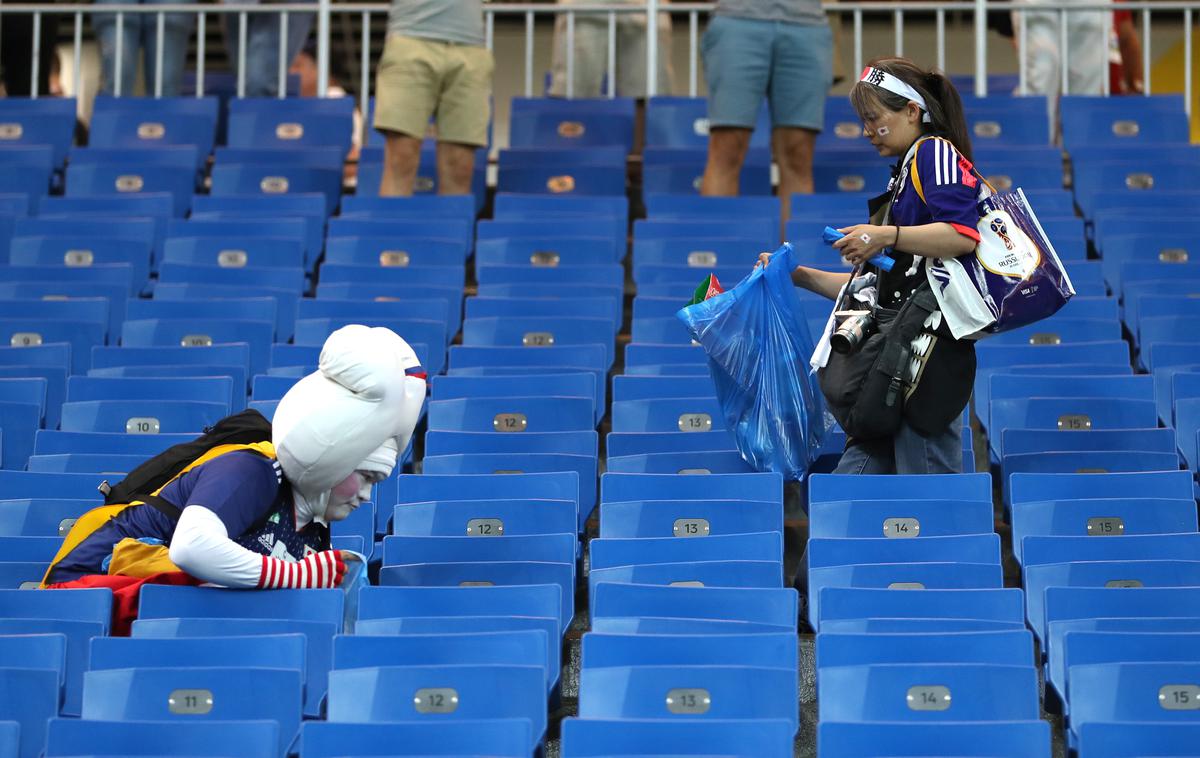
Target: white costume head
(355, 413)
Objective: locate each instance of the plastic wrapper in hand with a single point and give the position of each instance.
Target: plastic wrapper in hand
(758, 346)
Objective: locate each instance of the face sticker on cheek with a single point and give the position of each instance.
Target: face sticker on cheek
(883, 131)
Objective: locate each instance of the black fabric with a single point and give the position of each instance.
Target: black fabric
(244, 428)
(943, 386)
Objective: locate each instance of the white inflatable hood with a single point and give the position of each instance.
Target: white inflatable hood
(357, 411)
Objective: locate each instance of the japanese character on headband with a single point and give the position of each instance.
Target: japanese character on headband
(892, 84)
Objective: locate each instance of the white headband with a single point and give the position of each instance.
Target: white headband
(886, 81)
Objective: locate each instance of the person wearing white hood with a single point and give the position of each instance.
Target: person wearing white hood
(260, 517)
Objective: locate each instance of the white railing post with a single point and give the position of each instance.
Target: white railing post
(693, 52)
(37, 54)
(941, 39)
(981, 48)
(651, 48)
(1146, 51)
(201, 33)
(281, 87)
(160, 32)
(612, 55)
(323, 32)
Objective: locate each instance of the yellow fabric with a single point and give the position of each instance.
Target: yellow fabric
(137, 559)
(89, 522)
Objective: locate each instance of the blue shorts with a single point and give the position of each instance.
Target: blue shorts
(747, 59)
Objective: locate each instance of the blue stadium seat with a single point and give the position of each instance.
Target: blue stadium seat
(656, 387)
(541, 600)
(103, 179)
(890, 518)
(502, 738)
(970, 548)
(56, 383)
(561, 172)
(10, 737)
(939, 486)
(31, 332)
(36, 651)
(669, 518)
(141, 416)
(29, 696)
(46, 517)
(22, 575)
(1022, 441)
(269, 252)
(861, 740)
(625, 487)
(243, 693)
(561, 547)
(759, 546)
(1125, 739)
(277, 179)
(73, 248)
(683, 122)
(1187, 418)
(150, 123)
(323, 157)
(286, 302)
(516, 517)
(765, 608)
(1168, 484)
(698, 253)
(202, 332)
(1105, 461)
(716, 573)
(538, 331)
(695, 693)
(556, 251)
(756, 650)
(19, 485)
(1072, 413)
(680, 171)
(578, 384)
(230, 739)
(1012, 647)
(1005, 606)
(691, 462)
(661, 331)
(638, 443)
(691, 415)
(686, 207)
(1066, 603)
(29, 171)
(526, 647)
(1082, 648)
(513, 414)
(1093, 120)
(206, 389)
(1132, 692)
(235, 232)
(743, 738)
(267, 651)
(1115, 573)
(162, 602)
(367, 695)
(291, 123)
(585, 122)
(102, 463)
(497, 573)
(526, 463)
(393, 251)
(416, 310)
(40, 121)
(318, 645)
(925, 692)
(561, 485)
(1095, 516)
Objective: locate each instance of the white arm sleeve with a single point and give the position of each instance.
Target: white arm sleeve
(201, 547)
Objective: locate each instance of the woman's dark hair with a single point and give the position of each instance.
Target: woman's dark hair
(945, 105)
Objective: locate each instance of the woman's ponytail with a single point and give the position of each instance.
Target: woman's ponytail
(951, 120)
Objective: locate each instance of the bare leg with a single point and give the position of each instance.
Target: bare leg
(401, 158)
(727, 148)
(455, 167)
(793, 149)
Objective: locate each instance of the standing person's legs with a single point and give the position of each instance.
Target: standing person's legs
(262, 45)
(631, 56)
(462, 116)
(1087, 47)
(105, 26)
(407, 83)
(802, 70)
(867, 457)
(737, 68)
(177, 27)
(937, 454)
(589, 64)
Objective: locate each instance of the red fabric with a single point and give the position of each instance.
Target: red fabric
(967, 231)
(324, 569)
(126, 590)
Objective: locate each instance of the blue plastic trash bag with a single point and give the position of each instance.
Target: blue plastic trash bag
(758, 347)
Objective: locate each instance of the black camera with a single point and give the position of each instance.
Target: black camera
(853, 328)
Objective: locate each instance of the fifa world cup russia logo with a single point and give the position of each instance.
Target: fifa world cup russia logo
(1001, 229)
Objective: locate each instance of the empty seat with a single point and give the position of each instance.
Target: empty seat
(542, 600)
(1029, 738)
(29, 696)
(502, 738)
(475, 517)
(923, 692)
(1132, 692)
(1000, 607)
(234, 739)
(692, 693)
(1100, 516)
(590, 122)
(1127, 739)
(1066, 603)
(40, 517)
(291, 123)
(899, 518)
(773, 609)
(456, 692)
(525, 647)
(674, 518)
(513, 414)
(610, 552)
(141, 416)
(743, 738)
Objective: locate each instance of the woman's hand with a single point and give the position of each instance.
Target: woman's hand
(864, 241)
(763, 260)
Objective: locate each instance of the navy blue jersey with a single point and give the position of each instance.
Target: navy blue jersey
(245, 490)
(937, 185)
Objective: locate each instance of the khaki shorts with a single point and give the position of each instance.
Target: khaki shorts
(421, 78)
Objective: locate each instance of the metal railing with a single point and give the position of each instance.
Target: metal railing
(974, 10)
